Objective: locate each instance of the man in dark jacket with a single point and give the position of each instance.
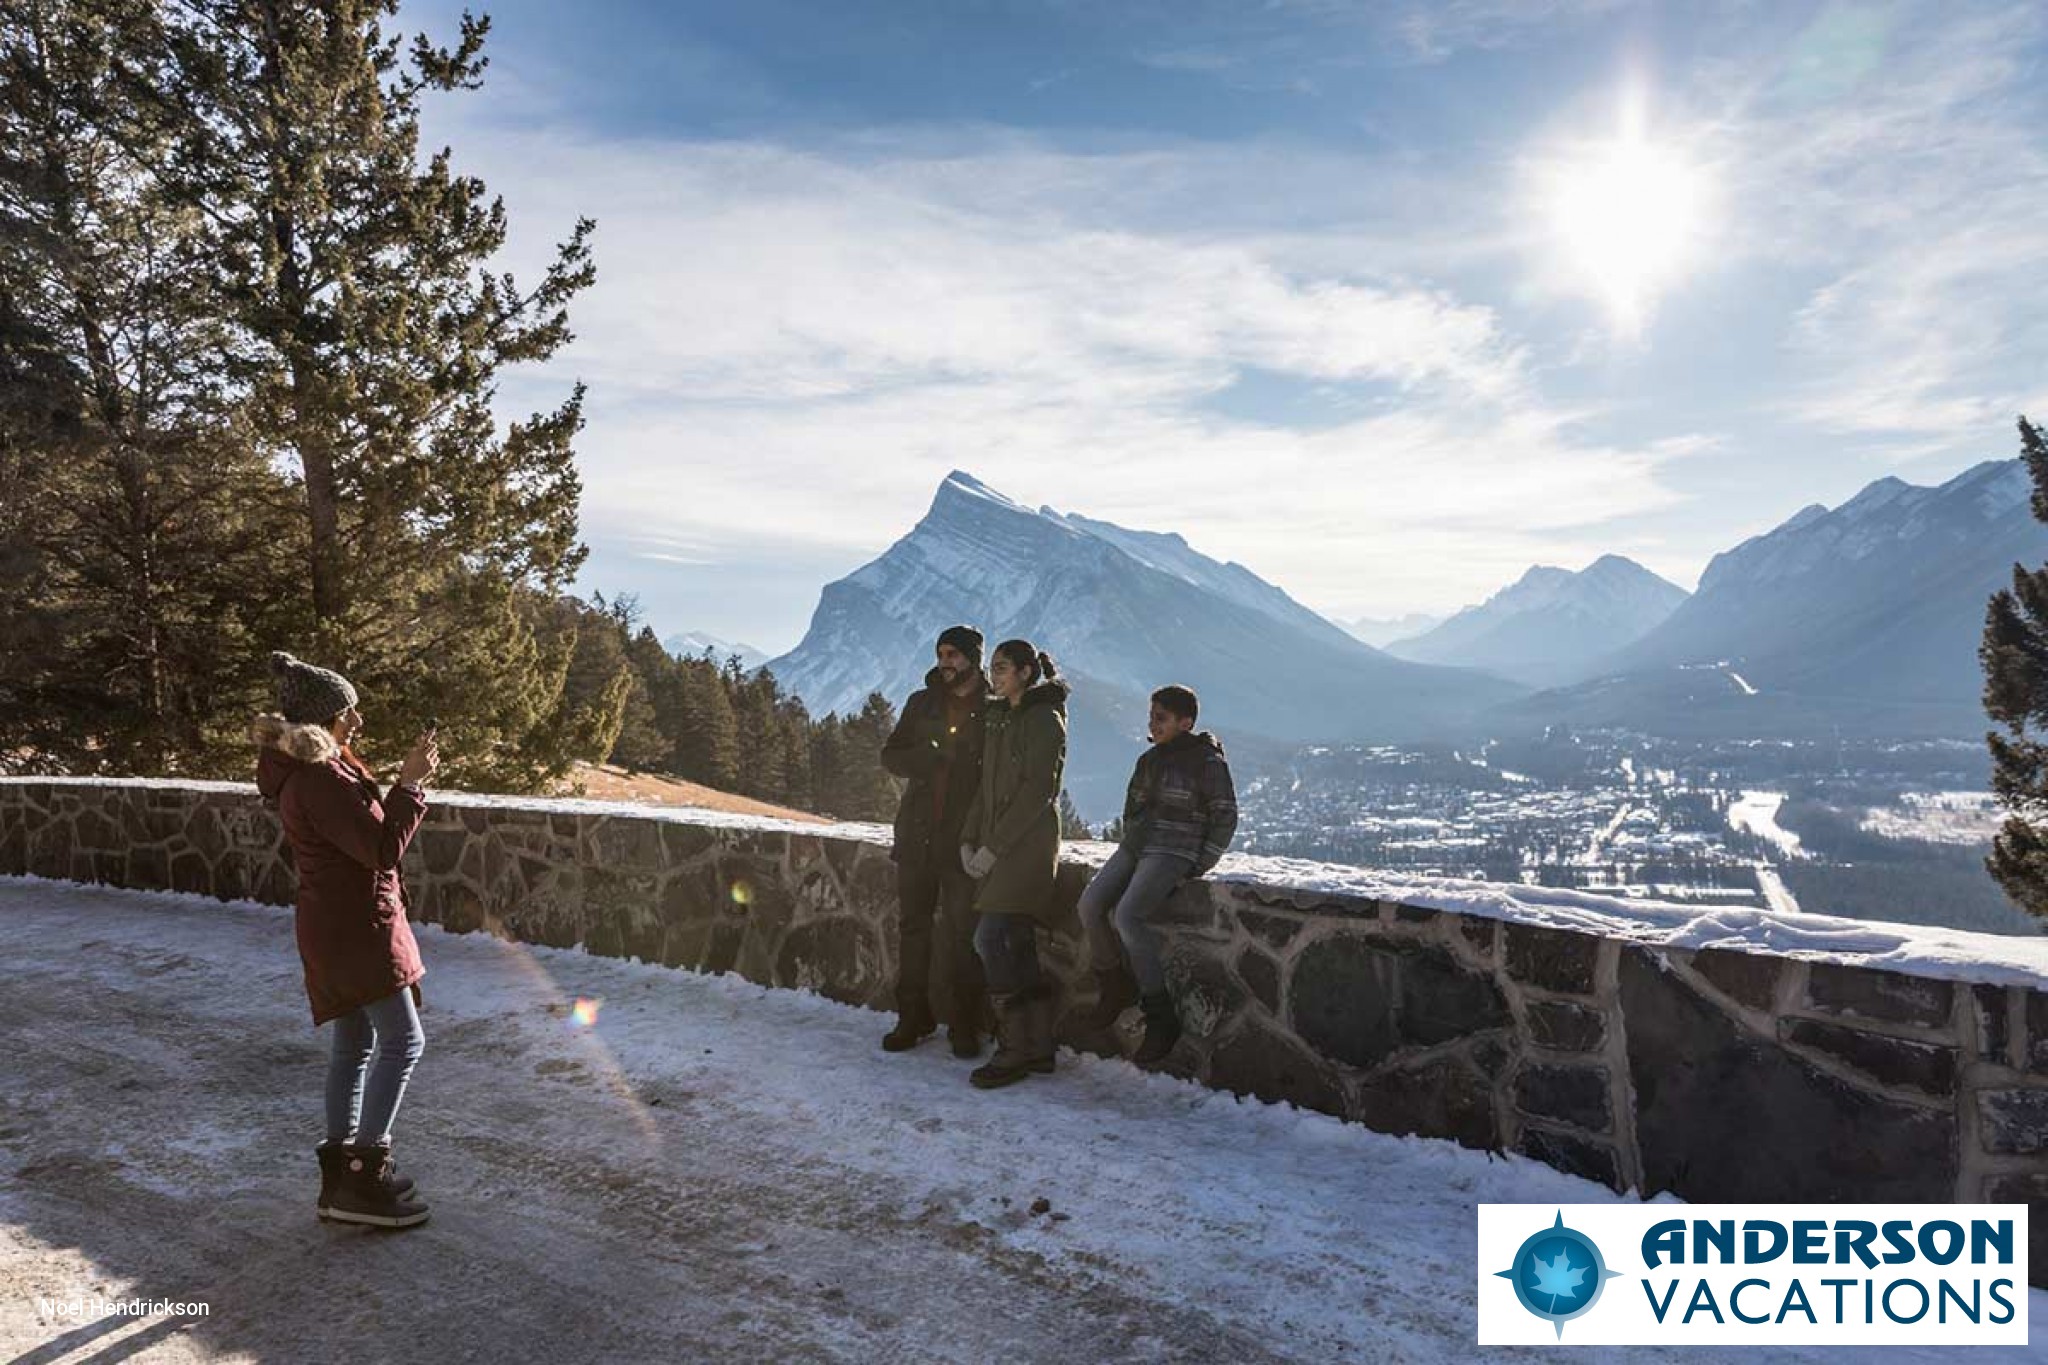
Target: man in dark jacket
(1180, 812)
(936, 747)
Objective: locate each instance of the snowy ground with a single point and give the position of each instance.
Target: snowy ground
(710, 1171)
(1757, 813)
(1938, 818)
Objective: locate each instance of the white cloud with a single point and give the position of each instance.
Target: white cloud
(1915, 189)
(798, 346)
(1439, 28)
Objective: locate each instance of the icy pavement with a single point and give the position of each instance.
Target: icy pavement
(709, 1171)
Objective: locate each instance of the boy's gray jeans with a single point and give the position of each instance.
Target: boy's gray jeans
(1117, 911)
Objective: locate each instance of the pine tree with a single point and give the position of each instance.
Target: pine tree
(2015, 659)
(799, 779)
(596, 675)
(828, 746)
(434, 543)
(707, 730)
(142, 534)
(641, 746)
(647, 732)
(1072, 826)
(867, 788)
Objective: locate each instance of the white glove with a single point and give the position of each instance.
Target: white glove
(981, 863)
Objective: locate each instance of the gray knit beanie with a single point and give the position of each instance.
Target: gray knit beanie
(308, 695)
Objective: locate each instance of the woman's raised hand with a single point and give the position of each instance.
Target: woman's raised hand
(421, 762)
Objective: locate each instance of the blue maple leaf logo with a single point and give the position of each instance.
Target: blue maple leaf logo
(1557, 1277)
(1571, 1290)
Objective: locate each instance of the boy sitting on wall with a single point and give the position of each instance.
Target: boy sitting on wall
(1180, 812)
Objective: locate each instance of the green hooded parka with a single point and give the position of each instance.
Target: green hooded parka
(1016, 812)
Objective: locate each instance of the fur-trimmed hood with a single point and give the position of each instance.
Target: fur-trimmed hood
(1049, 692)
(283, 747)
(308, 743)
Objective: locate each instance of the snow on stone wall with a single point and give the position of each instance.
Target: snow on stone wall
(1723, 1075)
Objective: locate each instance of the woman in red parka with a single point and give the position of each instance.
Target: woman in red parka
(361, 962)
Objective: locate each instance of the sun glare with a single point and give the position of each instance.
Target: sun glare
(1628, 215)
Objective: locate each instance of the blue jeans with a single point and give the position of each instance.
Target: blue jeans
(1008, 946)
(1118, 906)
(388, 1029)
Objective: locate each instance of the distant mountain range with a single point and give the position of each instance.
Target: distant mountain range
(1551, 626)
(1381, 631)
(1863, 619)
(1866, 618)
(1123, 612)
(693, 644)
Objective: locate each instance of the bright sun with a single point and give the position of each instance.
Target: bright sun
(1628, 215)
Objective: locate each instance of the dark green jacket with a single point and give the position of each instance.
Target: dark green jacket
(1181, 801)
(919, 749)
(1016, 814)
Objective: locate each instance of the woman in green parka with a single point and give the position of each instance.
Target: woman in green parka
(1011, 847)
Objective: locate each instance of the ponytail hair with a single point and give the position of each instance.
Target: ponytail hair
(1024, 654)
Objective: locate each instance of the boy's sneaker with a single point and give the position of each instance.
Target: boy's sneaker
(1162, 1029)
(1115, 992)
(366, 1192)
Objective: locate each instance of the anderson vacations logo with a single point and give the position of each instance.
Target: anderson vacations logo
(1755, 1274)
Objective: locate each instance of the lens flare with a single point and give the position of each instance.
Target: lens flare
(584, 1013)
(742, 894)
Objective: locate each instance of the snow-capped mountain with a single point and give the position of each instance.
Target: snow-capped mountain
(1169, 553)
(1551, 626)
(693, 644)
(1123, 612)
(1865, 615)
(1381, 631)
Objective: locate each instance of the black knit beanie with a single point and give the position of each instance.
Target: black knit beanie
(966, 639)
(308, 695)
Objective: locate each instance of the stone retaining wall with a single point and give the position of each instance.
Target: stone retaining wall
(1722, 1076)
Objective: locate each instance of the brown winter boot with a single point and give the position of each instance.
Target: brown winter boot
(1023, 1038)
(333, 1166)
(366, 1192)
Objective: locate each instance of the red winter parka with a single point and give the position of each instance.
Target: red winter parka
(346, 841)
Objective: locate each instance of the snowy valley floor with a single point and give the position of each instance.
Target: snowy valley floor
(712, 1171)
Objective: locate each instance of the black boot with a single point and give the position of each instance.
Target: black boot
(365, 1192)
(333, 1163)
(333, 1168)
(1116, 990)
(1045, 1018)
(1018, 1052)
(910, 1030)
(971, 1021)
(1162, 1029)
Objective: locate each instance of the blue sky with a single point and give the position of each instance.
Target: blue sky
(1385, 301)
